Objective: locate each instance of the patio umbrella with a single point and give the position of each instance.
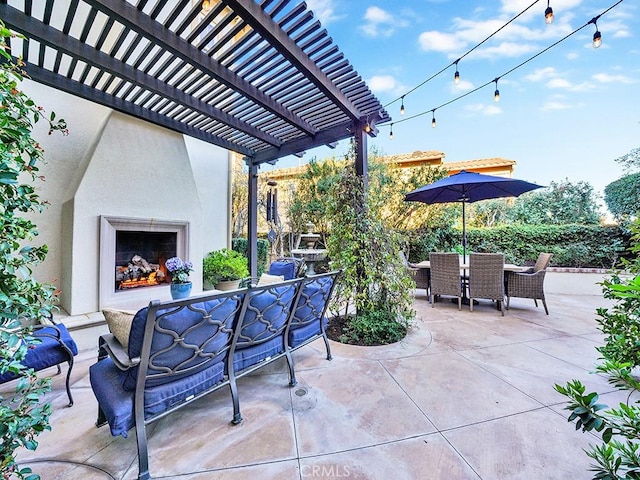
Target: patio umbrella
(468, 187)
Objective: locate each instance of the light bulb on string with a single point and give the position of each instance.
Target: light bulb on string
(456, 76)
(206, 5)
(391, 132)
(548, 14)
(597, 36)
(496, 94)
(367, 127)
(433, 119)
(402, 106)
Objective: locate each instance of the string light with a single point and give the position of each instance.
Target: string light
(206, 5)
(391, 132)
(402, 110)
(456, 76)
(548, 14)
(597, 37)
(367, 128)
(433, 118)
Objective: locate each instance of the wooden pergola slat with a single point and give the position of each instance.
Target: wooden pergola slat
(258, 77)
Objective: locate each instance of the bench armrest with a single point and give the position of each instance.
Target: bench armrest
(109, 346)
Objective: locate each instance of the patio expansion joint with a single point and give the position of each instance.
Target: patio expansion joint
(500, 378)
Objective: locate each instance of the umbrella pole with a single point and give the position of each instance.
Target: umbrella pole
(464, 234)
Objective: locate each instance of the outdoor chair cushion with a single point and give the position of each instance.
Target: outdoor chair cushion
(119, 323)
(285, 268)
(48, 353)
(180, 320)
(311, 306)
(107, 382)
(267, 279)
(264, 320)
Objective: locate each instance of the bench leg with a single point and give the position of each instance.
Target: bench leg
(326, 344)
(237, 417)
(68, 380)
(292, 374)
(143, 452)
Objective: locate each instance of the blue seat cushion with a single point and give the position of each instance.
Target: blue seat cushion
(284, 268)
(249, 356)
(303, 333)
(47, 353)
(107, 382)
(170, 353)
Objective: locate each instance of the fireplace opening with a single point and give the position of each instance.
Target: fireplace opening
(140, 258)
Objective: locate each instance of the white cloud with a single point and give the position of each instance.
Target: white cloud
(559, 83)
(555, 105)
(381, 23)
(541, 74)
(463, 86)
(440, 42)
(484, 109)
(382, 83)
(324, 10)
(607, 78)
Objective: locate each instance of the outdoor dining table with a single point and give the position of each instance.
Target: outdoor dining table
(508, 267)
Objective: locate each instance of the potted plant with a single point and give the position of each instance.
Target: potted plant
(179, 270)
(223, 269)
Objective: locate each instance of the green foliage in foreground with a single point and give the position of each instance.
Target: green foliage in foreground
(22, 416)
(618, 455)
(571, 245)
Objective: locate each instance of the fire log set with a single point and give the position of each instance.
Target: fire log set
(140, 273)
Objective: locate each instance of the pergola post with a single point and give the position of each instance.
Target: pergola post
(362, 164)
(252, 218)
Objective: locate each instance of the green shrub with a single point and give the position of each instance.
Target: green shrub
(241, 245)
(223, 265)
(616, 458)
(377, 327)
(572, 245)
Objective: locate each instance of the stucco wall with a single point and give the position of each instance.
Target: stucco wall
(112, 164)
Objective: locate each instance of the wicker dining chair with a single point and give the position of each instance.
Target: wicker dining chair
(486, 278)
(445, 276)
(529, 284)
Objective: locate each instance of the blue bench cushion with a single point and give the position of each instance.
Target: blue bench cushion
(310, 309)
(263, 324)
(249, 356)
(47, 353)
(184, 341)
(301, 334)
(285, 268)
(107, 382)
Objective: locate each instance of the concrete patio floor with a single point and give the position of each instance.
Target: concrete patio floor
(467, 395)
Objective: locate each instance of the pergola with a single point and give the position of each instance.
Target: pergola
(258, 77)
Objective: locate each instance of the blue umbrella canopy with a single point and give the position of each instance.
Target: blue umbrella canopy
(469, 187)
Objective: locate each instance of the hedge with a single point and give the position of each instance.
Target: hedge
(242, 245)
(592, 246)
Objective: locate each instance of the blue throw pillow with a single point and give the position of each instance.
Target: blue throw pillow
(286, 269)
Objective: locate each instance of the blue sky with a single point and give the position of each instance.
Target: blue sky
(566, 114)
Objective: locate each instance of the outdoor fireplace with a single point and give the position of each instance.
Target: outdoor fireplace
(133, 252)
